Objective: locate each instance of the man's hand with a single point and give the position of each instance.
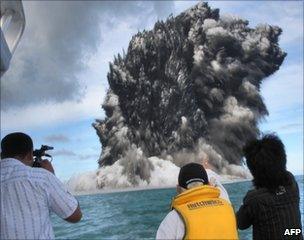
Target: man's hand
(76, 216)
(47, 165)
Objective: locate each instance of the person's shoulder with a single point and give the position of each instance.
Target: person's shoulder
(255, 195)
(172, 223)
(40, 174)
(38, 171)
(291, 178)
(251, 194)
(172, 219)
(171, 227)
(172, 215)
(210, 172)
(292, 187)
(213, 176)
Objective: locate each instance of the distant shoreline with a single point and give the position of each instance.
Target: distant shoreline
(146, 188)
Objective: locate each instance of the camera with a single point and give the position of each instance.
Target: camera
(39, 153)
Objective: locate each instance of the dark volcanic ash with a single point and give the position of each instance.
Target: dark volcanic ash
(188, 87)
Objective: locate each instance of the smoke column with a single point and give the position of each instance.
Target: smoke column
(186, 89)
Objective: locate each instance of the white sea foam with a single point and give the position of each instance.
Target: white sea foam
(82, 182)
(164, 175)
(112, 177)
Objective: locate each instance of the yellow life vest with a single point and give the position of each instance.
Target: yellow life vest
(205, 215)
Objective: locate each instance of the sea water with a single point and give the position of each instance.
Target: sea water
(136, 214)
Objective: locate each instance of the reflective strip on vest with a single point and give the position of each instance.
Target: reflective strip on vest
(205, 215)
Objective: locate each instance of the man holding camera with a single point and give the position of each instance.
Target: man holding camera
(28, 194)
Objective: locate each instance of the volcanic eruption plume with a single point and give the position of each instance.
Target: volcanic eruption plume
(187, 88)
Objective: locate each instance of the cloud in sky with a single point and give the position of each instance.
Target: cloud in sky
(73, 154)
(64, 152)
(284, 90)
(88, 156)
(44, 115)
(57, 138)
(59, 38)
(291, 126)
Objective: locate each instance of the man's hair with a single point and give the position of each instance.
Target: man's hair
(266, 160)
(16, 144)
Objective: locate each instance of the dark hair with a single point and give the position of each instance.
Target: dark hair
(266, 160)
(16, 144)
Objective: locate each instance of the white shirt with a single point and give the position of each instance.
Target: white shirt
(28, 195)
(172, 227)
(215, 180)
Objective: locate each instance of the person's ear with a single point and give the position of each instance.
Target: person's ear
(179, 189)
(28, 159)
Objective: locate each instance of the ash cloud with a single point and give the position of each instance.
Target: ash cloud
(188, 87)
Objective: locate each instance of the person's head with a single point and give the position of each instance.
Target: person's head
(19, 146)
(191, 175)
(266, 160)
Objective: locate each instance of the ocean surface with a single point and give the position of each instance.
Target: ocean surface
(136, 214)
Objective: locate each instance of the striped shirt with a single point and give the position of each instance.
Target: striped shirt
(28, 196)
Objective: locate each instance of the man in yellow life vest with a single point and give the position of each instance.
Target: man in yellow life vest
(198, 211)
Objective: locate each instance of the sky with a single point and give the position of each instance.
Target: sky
(57, 80)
